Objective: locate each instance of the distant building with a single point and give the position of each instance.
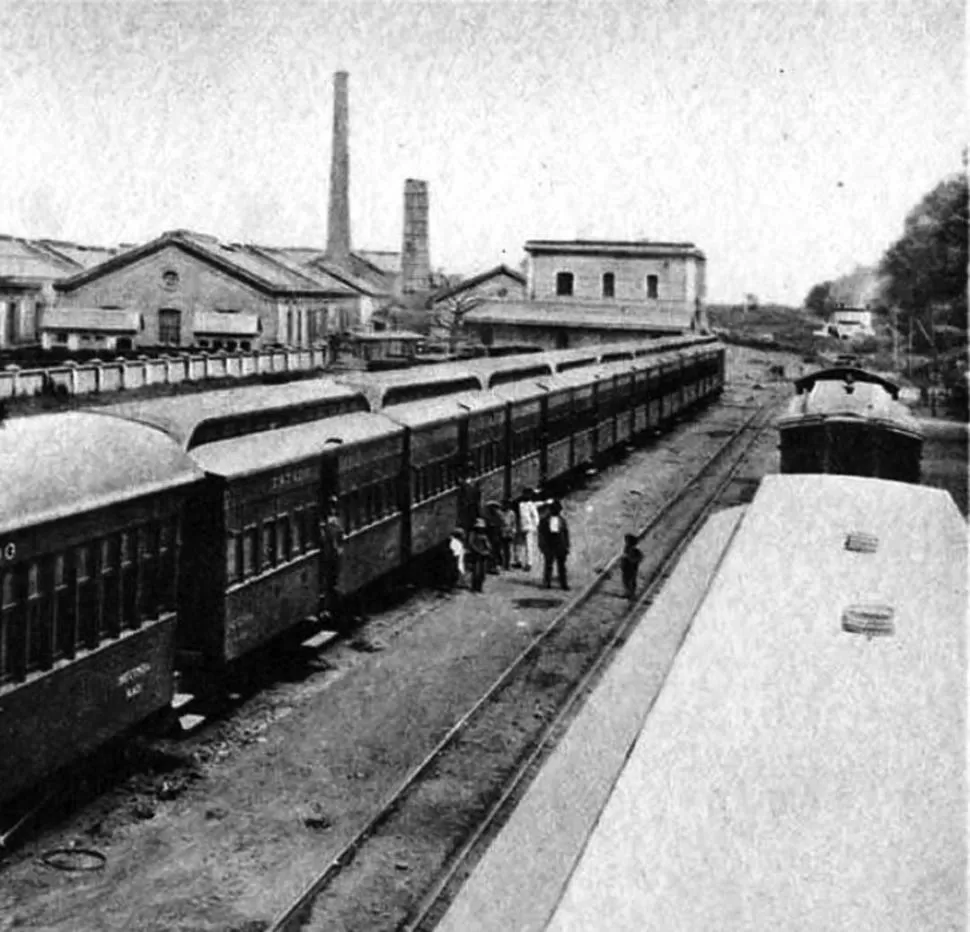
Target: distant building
(188, 289)
(852, 322)
(28, 270)
(592, 291)
(499, 283)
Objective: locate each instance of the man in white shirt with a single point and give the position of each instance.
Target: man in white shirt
(529, 519)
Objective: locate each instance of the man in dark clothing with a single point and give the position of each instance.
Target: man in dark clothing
(554, 543)
(478, 553)
(331, 554)
(630, 565)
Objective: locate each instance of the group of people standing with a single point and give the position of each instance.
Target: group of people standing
(510, 535)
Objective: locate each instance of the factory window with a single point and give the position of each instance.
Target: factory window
(564, 284)
(652, 286)
(124, 343)
(169, 326)
(609, 284)
(62, 338)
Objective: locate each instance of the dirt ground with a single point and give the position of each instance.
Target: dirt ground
(263, 799)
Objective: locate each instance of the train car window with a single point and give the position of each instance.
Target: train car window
(38, 620)
(268, 553)
(232, 558)
(129, 582)
(249, 551)
(110, 589)
(167, 565)
(283, 538)
(148, 589)
(312, 526)
(88, 605)
(8, 626)
(65, 614)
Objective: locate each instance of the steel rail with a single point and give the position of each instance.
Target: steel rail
(430, 899)
(292, 917)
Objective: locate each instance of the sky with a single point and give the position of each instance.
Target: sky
(786, 140)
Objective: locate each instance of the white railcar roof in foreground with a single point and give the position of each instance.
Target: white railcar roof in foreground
(793, 775)
(56, 465)
(253, 453)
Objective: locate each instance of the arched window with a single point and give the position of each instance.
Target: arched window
(564, 284)
(609, 285)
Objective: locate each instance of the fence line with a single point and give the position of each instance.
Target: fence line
(127, 374)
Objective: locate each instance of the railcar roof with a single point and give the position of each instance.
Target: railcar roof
(832, 400)
(379, 387)
(839, 374)
(792, 774)
(180, 415)
(54, 465)
(252, 453)
(435, 410)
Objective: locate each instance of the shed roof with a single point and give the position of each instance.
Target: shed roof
(552, 315)
(613, 247)
(90, 318)
(55, 465)
(475, 280)
(225, 324)
(242, 456)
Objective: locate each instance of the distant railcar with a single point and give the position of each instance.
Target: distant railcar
(849, 421)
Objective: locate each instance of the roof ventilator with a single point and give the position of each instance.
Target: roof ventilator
(861, 542)
(870, 620)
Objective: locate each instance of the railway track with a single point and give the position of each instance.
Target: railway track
(415, 851)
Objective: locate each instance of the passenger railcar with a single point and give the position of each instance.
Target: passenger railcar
(849, 421)
(90, 530)
(253, 570)
(802, 762)
(210, 504)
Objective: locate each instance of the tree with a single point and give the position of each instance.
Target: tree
(451, 315)
(926, 269)
(819, 300)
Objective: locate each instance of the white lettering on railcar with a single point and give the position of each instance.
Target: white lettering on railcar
(131, 680)
(293, 476)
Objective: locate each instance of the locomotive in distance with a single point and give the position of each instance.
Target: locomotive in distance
(181, 534)
(849, 421)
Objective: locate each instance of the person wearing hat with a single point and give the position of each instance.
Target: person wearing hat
(554, 543)
(479, 553)
(331, 555)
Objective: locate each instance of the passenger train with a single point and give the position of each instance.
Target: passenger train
(848, 420)
(781, 743)
(181, 533)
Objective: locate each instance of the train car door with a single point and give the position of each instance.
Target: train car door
(334, 522)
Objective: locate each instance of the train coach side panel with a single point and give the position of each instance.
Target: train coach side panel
(263, 608)
(433, 520)
(68, 711)
(370, 553)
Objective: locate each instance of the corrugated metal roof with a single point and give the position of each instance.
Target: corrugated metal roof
(59, 464)
(225, 324)
(90, 318)
(241, 456)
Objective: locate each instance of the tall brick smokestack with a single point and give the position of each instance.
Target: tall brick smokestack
(415, 255)
(338, 213)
